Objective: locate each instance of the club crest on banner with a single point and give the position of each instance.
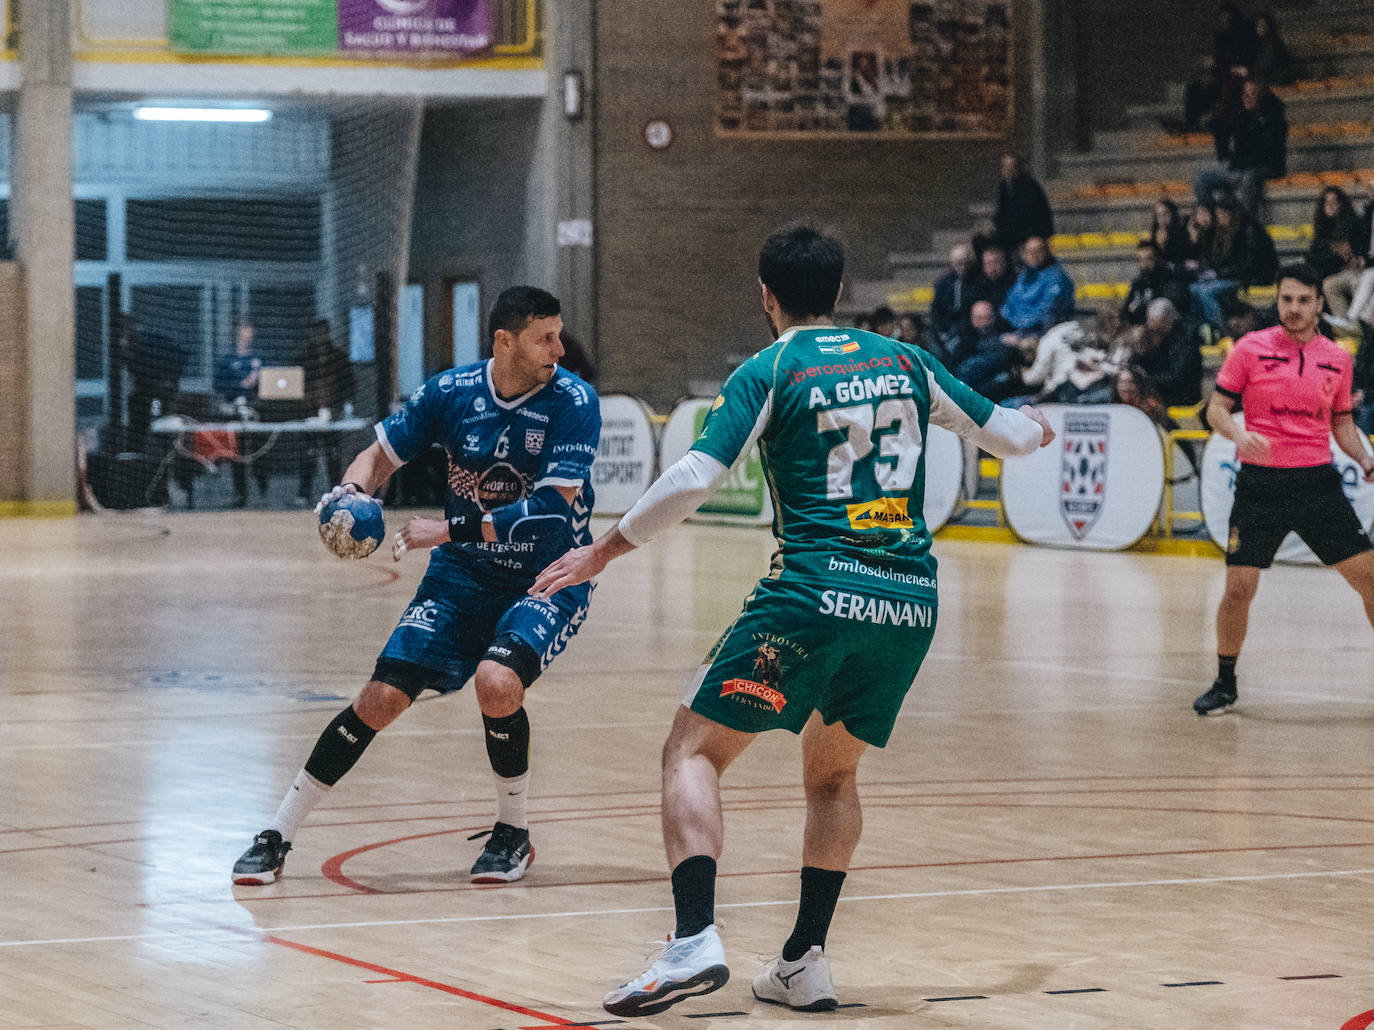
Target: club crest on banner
(1083, 470)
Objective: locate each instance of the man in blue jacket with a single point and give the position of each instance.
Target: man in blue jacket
(1041, 297)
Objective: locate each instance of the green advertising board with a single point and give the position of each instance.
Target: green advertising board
(743, 491)
(282, 27)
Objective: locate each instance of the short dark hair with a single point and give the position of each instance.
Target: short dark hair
(1302, 272)
(517, 305)
(883, 313)
(803, 267)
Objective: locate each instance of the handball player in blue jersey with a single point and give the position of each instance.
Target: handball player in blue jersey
(520, 434)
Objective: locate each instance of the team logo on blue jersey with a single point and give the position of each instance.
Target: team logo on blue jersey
(1083, 471)
(479, 404)
(534, 440)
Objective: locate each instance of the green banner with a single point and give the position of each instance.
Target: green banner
(281, 27)
(743, 490)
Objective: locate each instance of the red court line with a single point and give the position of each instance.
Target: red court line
(399, 976)
(1360, 1022)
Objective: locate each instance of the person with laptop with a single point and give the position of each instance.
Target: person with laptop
(237, 376)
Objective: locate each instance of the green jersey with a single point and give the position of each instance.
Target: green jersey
(840, 416)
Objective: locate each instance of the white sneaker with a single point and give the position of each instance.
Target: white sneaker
(803, 985)
(684, 968)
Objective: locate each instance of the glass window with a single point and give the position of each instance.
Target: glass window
(224, 229)
(90, 332)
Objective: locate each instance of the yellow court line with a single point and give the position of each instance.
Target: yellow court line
(37, 509)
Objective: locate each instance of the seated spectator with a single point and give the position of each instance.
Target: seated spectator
(1350, 292)
(1050, 363)
(1337, 245)
(1252, 147)
(988, 363)
(1169, 233)
(1202, 225)
(1362, 395)
(1241, 254)
(953, 297)
(1154, 279)
(883, 321)
(1167, 352)
(911, 328)
(1022, 209)
(1235, 48)
(995, 278)
(1041, 297)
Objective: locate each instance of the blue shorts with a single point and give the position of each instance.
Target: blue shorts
(463, 604)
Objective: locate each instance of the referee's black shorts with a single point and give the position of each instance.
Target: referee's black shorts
(1271, 502)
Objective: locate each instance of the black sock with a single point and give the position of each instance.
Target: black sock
(820, 890)
(1226, 668)
(694, 895)
(340, 745)
(508, 743)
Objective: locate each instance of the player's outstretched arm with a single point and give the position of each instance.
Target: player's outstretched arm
(581, 564)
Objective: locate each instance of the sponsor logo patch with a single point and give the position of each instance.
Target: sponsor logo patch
(768, 668)
(844, 348)
(1083, 471)
(884, 513)
(534, 440)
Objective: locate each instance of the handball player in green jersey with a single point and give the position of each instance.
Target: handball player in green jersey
(831, 639)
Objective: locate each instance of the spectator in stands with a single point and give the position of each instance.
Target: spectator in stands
(1252, 147)
(1154, 279)
(1362, 395)
(1241, 255)
(1022, 210)
(996, 278)
(1041, 297)
(953, 297)
(884, 321)
(1050, 364)
(1350, 292)
(988, 362)
(911, 329)
(1169, 233)
(1167, 352)
(1235, 49)
(1273, 59)
(1336, 244)
(1202, 225)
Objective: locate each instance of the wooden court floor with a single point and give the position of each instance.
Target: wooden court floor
(1053, 840)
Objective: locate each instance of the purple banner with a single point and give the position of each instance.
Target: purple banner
(415, 26)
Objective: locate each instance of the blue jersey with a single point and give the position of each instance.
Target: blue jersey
(500, 450)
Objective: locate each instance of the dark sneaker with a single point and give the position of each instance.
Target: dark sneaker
(263, 862)
(506, 857)
(1217, 700)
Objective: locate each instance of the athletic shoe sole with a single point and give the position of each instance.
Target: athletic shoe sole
(821, 1005)
(257, 879)
(649, 1003)
(509, 876)
(1216, 711)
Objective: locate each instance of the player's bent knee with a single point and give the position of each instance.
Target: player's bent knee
(500, 691)
(380, 704)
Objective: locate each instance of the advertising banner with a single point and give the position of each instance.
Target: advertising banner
(743, 496)
(1097, 487)
(1219, 468)
(861, 68)
(290, 27)
(944, 475)
(624, 465)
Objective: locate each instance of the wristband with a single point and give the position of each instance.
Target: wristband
(465, 529)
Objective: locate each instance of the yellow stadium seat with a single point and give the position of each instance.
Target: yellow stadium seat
(1094, 239)
(1124, 239)
(1064, 241)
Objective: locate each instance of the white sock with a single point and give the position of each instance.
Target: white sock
(305, 793)
(511, 794)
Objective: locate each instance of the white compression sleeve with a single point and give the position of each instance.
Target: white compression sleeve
(672, 497)
(1007, 433)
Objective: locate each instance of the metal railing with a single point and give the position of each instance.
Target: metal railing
(517, 34)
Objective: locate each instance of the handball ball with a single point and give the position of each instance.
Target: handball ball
(351, 526)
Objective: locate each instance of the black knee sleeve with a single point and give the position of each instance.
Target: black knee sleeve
(508, 743)
(517, 656)
(340, 745)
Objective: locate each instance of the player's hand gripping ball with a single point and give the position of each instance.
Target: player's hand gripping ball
(351, 524)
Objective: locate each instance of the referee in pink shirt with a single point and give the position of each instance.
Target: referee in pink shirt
(1294, 387)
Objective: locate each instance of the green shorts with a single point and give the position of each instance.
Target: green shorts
(839, 645)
